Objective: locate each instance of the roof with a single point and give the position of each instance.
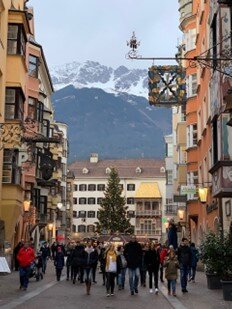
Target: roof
(126, 168)
(148, 190)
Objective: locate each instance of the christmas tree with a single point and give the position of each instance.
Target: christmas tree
(112, 214)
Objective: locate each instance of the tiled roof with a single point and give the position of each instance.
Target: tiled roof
(148, 190)
(126, 168)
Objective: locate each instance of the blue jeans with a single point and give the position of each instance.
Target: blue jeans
(44, 264)
(172, 286)
(133, 278)
(121, 277)
(24, 273)
(184, 270)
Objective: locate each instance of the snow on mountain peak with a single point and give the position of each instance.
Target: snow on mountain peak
(92, 74)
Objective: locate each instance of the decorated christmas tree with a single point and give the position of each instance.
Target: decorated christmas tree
(112, 214)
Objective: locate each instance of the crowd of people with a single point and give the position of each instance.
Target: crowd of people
(82, 260)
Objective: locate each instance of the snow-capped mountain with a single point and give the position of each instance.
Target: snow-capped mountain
(92, 74)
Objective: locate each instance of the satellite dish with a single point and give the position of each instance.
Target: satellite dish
(59, 205)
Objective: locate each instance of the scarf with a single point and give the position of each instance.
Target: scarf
(111, 255)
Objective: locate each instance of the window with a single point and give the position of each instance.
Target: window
(46, 127)
(192, 135)
(91, 228)
(92, 187)
(39, 112)
(82, 187)
(192, 179)
(81, 228)
(190, 40)
(33, 66)
(169, 150)
(191, 85)
(91, 201)
(214, 43)
(74, 200)
(130, 200)
(75, 188)
(130, 214)
(82, 200)
(169, 180)
(215, 141)
(101, 187)
(74, 214)
(43, 205)
(32, 106)
(11, 171)
(91, 214)
(99, 200)
(16, 40)
(36, 197)
(74, 228)
(147, 206)
(14, 101)
(82, 214)
(130, 187)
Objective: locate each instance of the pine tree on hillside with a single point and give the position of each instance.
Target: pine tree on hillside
(112, 214)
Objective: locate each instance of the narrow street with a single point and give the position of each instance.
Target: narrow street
(51, 294)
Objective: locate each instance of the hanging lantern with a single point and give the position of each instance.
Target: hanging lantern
(26, 205)
(181, 214)
(203, 192)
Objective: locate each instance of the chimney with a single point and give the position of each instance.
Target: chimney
(94, 158)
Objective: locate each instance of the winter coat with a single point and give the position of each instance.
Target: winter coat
(172, 236)
(78, 257)
(194, 256)
(69, 255)
(133, 254)
(171, 265)
(163, 254)
(59, 260)
(152, 259)
(121, 262)
(90, 259)
(45, 252)
(26, 256)
(184, 255)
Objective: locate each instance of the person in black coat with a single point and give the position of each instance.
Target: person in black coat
(133, 255)
(152, 262)
(184, 258)
(102, 261)
(69, 256)
(78, 260)
(59, 262)
(172, 235)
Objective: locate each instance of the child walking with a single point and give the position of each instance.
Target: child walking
(171, 273)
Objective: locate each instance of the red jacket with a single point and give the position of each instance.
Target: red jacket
(26, 256)
(163, 254)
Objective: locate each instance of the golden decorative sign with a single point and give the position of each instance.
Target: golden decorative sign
(167, 85)
(11, 135)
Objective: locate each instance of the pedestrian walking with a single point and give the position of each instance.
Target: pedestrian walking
(133, 255)
(111, 269)
(59, 262)
(121, 267)
(95, 265)
(15, 253)
(39, 266)
(53, 250)
(90, 258)
(45, 254)
(163, 254)
(78, 260)
(102, 264)
(172, 234)
(152, 261)
(143, 268)
(184, 258)
(25, 257)
(69, 256)
(194, 260)
(171, 271)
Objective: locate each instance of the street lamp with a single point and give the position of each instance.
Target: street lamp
(50, 226)
(203, 192)
(50, 230)
(26, 205)
(181, 214)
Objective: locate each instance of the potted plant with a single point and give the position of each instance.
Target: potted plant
(226, 272)
(210, 250)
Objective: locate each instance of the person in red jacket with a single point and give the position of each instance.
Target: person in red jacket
(26, 257)
(163, 254)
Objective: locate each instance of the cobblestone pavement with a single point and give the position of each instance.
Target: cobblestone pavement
(51, 294)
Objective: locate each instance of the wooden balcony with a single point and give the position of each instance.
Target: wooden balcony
(149, 213)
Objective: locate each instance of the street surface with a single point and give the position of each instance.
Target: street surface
(50, 294)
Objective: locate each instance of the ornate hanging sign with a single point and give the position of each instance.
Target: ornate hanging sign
(167, 85)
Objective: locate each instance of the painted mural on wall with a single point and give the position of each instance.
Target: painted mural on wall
(167, 85)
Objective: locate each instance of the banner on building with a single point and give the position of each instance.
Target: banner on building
(189, 189)
(167, 85)
(180, 198)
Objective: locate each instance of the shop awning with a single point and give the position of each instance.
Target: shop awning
(148, 190)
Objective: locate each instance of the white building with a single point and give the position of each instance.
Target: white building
(143, 182)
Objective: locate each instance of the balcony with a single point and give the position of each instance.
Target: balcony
(185, 9)
(221, 179)
(149, 213)
(152, 232)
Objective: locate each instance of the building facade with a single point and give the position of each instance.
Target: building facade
(143, 183)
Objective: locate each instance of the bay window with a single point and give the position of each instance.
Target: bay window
(14, 101)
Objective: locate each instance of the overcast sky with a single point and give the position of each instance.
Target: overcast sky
(80, 30)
